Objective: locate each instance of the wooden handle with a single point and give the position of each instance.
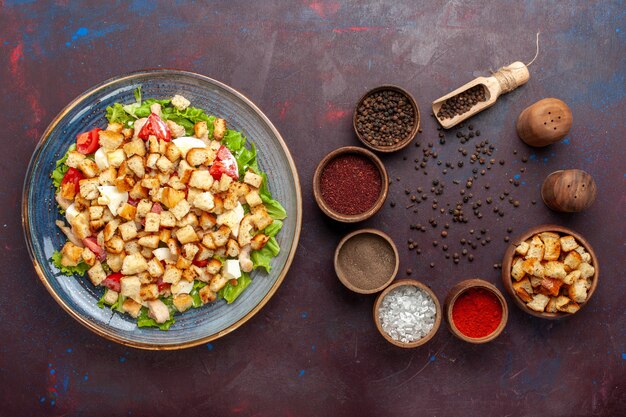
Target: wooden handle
(512, 76)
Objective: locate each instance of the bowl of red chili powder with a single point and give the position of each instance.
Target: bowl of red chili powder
(476, 311)
(350, 184)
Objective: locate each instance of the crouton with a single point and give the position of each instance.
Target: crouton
(201, 131)
(190, 250)
(259, 241)
(171, 197)
(535, 251)
(182, 263)
(176, 130)
(96, 212)
(187, 235)
(538, 303)
(88, 167)
(552, 248)
(71, 254)
(260, 217)
(172, 274)
(201, 179)
(207, 221)
(517, 272)
(68, 191)
(138, 192)
(554, 269)
(132, 307)
(107, 176)
(89, 257)
(578, 291)
(80, 225)
(568, 243)
(207, 295)
(115, 127)
(535, 282)
(222, 185)
(566, 305)
(124, 183)
(571, 277)
(204, 201)
(137, 165)
(128, 230)
(110, 140)
(183, 302)
(115, 261)
(548, 235)
(114, 245)
(553, 285)
(217, 282)
(164, 165)
(232, 248)
(96, 225)
(180, 209)
(127, 212)
(96, 273)
(586, 270)
(149, 292)
(184, 171)
(132, 247)
(253, 179)
(523, 289)
(253, 198)
(74, 158)
(572, 260)
(197, 156)
(111, 228)
(167, 219)
(219, 129)
(149, 241)
(153, 222)
(135, 147)
(116, 158)
(134, 264)
(551, 306)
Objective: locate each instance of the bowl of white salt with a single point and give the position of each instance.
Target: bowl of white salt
(407, 313)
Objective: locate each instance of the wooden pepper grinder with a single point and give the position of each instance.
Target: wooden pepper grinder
(545, 122)
(569, 190)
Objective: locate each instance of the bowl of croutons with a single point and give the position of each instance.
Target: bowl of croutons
(550, 271)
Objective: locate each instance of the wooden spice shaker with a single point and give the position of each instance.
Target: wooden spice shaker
(544, 123)
(569, 190)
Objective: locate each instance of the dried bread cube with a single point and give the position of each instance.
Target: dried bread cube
(167, 219)
(583, 254)
(143, 207)
(131, 307)
(135, 147)
(74, 158)
(131, 285)
(164, 165)
(535, 251)
(553, 285)
(573, 260)
(522, 248)
(183, 302)
(181, 209)
(137, 165)
(128, 230)
(202, 179)
(172, 152)
(153, 222)
(204, 201)
(96, 273)
(517, 272)
(552, 248)
(155, 268)
(88, 167)
(149, 292)
(134, 264)
(568, 243)
(554, 269)
(110, 140)
(551, 306)
(586, 270)
(566, 305)
(71, 254)
(89, 257)
(201, 131)
(172, 274)
(187, 234)
(96, 212)
(217, 282)
(253, 179)
(127, 211)
(548, 235)
(538, 303)
(80, 225)
(219, 129)
(115, 127)
(180, 102)
(533, 266)
(116, 158)
(571, 277)
(149, 241)
(578, 291)
(197, 156)
(115, 261)
(171, 197)
(523, 289)
(535, 281)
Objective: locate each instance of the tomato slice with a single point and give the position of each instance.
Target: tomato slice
(88, 142)
(112, 282)
(225, 163)
(163, 286)
(157, 127)
(202, 263)
(73, 176)
(92, 243)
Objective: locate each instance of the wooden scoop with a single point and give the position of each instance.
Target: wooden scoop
(504, 80)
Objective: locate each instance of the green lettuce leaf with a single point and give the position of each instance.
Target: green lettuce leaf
(261, 258)
(61, 168)
(197, 285)
(274, 208)
(79, 269)
(143, 320)
(230, 292)
(117, 114)
(234, 140)
(117, 305)
(273, 229)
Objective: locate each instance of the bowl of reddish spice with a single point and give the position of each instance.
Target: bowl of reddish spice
(476, 311)
(350, 184)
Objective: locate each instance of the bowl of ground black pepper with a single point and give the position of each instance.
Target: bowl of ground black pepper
(366, 261)
(386, 118)
(350, 184)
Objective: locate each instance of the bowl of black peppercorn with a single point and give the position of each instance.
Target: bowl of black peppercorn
(386, 118)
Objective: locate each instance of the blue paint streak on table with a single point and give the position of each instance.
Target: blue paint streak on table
(313, 350)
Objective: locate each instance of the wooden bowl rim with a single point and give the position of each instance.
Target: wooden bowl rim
(354, 218)
(507, 280)
(404, 142)
(422, 286)
(459, 289)
(345, 281)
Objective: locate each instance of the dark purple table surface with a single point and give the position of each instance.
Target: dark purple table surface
(313, 349)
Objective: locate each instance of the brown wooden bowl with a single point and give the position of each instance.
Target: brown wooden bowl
(346, 218)
(507, 280)
(404, 141)
(421, 286)
(459, 289)
(347, 280)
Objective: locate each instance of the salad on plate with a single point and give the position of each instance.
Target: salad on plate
(166, 209)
